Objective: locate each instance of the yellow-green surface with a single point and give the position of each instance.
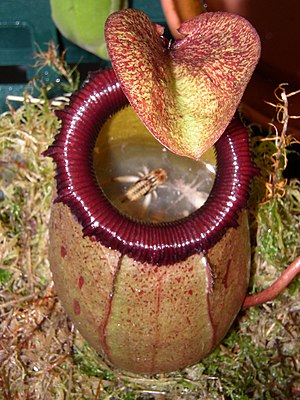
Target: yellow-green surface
(185, 95)
(82, 22)
(143, 318)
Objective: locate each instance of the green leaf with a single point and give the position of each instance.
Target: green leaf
(82, 22)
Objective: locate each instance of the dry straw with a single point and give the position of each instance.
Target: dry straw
(43, 357)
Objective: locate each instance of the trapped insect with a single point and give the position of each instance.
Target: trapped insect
(145, 185)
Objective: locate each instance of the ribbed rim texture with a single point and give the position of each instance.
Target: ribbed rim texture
(157, 244)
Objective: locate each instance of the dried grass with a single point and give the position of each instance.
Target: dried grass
(43, 357)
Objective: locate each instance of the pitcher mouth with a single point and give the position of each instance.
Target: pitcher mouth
(153, 243)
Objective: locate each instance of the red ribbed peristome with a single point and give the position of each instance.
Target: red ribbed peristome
(159, 244)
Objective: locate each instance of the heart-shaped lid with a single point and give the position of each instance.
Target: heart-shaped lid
(185, 92)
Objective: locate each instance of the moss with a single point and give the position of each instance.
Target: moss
(5, 277)
(43, 357)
